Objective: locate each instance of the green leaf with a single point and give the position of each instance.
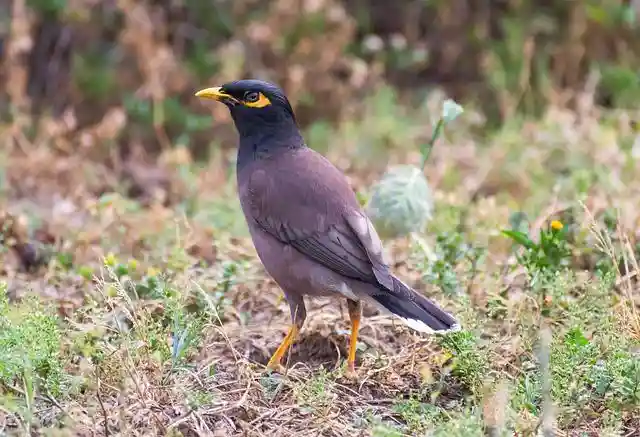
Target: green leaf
(576, 338)
(520, 237)
(401, 202)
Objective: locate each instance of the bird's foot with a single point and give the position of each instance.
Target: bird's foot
(350, 372)
(276, 366)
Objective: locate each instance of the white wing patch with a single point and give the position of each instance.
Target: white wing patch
(366, 233)
(364, 229)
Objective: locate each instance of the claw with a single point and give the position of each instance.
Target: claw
(276, 367)
(350, 372)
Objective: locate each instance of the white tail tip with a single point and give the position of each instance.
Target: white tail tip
(420, 326)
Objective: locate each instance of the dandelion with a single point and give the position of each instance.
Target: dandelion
(557, 225)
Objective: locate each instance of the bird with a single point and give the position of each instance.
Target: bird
(306, 224)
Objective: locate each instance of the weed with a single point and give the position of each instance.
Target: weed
(466, 423)
(470, 362)
(550, 254)
(315, 393)
(401, 202)
(29, 345)
(31, 363)
(382, 430)
(585, 371)
(417, 415)
(451, 249)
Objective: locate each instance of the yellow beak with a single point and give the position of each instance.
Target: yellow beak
(214, 93)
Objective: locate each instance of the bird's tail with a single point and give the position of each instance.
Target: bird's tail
(415, 310)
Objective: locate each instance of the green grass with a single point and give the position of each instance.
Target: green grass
(31, 363)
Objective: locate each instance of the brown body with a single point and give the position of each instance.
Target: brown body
(324, 207)
(305, 221)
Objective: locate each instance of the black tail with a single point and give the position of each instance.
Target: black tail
(415, 310)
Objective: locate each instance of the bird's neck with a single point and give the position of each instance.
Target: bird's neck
(257, 145)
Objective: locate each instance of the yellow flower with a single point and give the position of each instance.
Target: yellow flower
(556, 225)
(111, 260)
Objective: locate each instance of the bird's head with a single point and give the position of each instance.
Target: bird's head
(255, 105)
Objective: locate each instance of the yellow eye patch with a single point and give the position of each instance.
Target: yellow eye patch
(260, 103)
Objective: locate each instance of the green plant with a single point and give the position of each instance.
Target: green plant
(544, 259)
(616, 379)
(315, 393)
(550, 254)
(170, 113)
(383, 430)
(93, 74)
(470, 361)
(384, 126)
(48, 7)
(621, 83)
(175, 322)
(29, 346)
(585, 371)
(201, 60)
(418, 416)
(401, 201)
(467, 423)
(440, 263)
(185, 332)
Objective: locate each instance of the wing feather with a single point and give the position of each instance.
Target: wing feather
(319, 216)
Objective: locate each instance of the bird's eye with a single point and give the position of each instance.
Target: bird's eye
(251, 96)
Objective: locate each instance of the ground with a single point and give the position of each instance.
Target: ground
(153, 315)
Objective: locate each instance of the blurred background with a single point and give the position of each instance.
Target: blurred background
(101, 131)
(134, 65)
(109, 85)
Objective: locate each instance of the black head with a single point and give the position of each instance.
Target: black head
(255, 106)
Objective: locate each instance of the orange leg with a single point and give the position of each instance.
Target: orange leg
(274, 362)
(355, 311)
(298, 315)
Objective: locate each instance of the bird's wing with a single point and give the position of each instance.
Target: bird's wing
(340, 247)
(311, 207)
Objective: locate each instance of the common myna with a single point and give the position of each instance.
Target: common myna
(306, 224)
